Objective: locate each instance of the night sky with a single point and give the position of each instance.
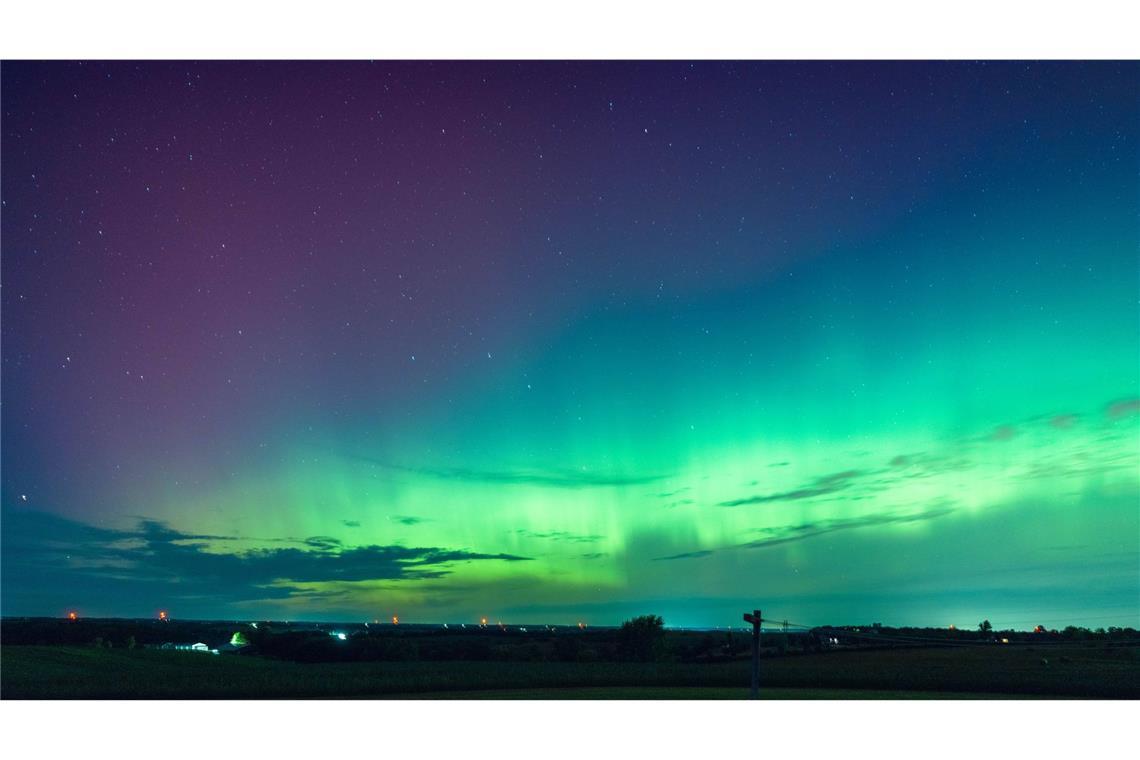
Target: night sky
(548, 342)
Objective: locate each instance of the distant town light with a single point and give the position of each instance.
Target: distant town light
(395, 620)
(162, 615)
(71, 616)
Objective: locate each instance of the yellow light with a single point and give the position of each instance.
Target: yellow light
(395, 620)
(162, 616)
(71, 616)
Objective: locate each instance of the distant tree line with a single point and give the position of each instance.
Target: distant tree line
(640, 639)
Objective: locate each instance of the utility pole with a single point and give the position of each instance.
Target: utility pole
(755, 619)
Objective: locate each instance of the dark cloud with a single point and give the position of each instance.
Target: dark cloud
(1004, 432)
(593, 555)
(153, 530)
(920, 465)
(552, 478)
(350, 523)
(685, 555)
(822, 486)
(43, 553)
(324, 543)
(1123, 408)
(667, 494)
(1063, 421)
(408, 519)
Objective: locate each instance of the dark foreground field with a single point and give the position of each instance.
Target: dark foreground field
(35, 672)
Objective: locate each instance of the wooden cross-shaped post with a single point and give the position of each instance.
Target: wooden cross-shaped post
(755, 619)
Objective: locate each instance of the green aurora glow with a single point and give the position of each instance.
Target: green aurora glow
(927, 418)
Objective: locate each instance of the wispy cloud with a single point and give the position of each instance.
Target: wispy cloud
(789, 533)
(785, 534)
(560, 535)
(553, 478)
(350, 523)
(821, 486)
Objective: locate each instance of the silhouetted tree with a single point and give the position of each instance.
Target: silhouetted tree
(985, 626)
(642, 639)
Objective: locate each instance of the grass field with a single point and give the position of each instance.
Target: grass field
(699, 692)
(31, 672)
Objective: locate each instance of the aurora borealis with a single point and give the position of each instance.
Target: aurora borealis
(548, 342)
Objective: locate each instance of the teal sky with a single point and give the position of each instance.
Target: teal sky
(849, 342)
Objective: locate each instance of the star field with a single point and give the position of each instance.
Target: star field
(551, 340)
